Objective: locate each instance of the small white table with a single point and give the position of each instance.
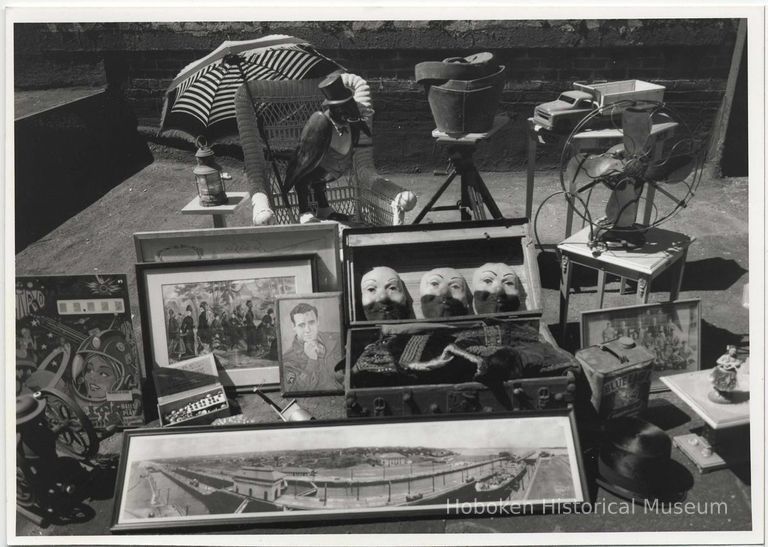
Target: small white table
(661, 250)
(219, 212)
(725, 438)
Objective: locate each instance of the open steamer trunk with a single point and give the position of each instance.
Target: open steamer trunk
(414, 250)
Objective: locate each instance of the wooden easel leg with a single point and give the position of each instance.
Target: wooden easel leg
(643, 290)
(466, 199)
(482, 189)
(600, 288)
(428, 206)
(678, 283)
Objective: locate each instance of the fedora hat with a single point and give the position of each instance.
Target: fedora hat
(635, 463)
(469, 68)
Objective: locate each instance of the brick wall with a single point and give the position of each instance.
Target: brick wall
(690, 57)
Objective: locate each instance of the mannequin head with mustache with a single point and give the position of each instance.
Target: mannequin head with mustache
(496, 288)
(444, 293)
(384, 295)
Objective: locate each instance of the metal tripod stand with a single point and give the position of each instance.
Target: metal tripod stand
(475, 195)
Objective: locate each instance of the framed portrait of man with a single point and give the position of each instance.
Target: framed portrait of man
(311, 344)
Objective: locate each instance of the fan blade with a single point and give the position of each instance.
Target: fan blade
(636, 124)
(592, 168)
(672, 169)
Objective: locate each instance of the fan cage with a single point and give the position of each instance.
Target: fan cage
(611, 112)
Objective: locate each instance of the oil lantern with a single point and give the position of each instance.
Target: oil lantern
(210, 185)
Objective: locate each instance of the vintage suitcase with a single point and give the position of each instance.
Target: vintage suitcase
(412, 251)
(617, 377)
(551, 385)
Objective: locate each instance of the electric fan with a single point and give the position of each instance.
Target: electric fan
(622, 154)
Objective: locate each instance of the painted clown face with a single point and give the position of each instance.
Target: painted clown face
(383, 295)
(495, 288)
(444, 293)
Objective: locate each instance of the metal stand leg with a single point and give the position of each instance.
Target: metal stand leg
(530, 170)
(565, 289)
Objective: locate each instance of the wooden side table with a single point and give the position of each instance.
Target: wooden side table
(219, 212)
(662, 250)
(724, 440)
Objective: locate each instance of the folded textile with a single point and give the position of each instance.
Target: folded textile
(419, 354)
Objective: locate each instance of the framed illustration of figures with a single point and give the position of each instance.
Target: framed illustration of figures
(669, 330)
(74, 334)
(310, 344)
(223, 307)
(298, 471)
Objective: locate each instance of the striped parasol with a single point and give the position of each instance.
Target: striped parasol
(200, 100)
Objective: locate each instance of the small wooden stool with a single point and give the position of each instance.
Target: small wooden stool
(662, 250)
(219, 212)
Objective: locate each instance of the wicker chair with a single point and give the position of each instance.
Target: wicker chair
(284, 107)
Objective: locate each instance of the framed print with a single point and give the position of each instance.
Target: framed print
(670, 330)
(223, 307)
(74, 333)
(310, 344)
(340, 469)
(244, 242)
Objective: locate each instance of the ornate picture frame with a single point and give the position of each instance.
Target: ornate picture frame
(224, 307)
(245, 242)
(671, 330)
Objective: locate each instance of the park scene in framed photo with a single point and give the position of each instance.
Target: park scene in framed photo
(669, 330)
(310, 343)
(342, 469)
(226, 308)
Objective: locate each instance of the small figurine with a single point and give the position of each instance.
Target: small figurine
(724, 377)
(384, 295)
(496, 288)
(444, 293)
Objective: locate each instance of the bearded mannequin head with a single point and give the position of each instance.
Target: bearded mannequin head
(444, 293)
(384, 295)
(495, 288)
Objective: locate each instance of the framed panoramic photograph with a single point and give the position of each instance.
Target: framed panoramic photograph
(247, 241)
(670, 330)
(310, 343)
(340, 469)
(223, 307)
